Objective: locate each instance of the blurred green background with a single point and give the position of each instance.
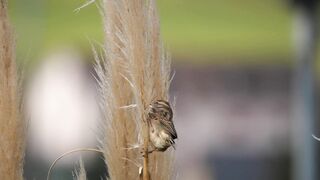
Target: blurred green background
(226, 32)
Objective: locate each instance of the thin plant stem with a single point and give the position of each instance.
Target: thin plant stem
(146, 174)
(67, 153)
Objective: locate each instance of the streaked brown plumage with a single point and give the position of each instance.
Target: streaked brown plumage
(162, 131)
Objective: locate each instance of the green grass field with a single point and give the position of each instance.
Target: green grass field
(250, 31)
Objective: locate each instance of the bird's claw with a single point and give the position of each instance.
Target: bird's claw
(143, 152)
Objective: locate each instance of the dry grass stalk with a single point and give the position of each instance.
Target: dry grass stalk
(11, 125)
(135, 71)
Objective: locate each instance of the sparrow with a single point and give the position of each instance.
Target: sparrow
(162, 132)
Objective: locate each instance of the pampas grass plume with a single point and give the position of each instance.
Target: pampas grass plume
(134, 71)
(80, 174)
(11, 124)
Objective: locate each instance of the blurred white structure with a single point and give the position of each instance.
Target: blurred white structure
(62, 106)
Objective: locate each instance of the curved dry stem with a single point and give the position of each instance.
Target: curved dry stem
(315, 137)
(67, 153)
(77, 10)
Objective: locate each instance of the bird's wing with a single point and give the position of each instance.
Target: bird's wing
(169, 126)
